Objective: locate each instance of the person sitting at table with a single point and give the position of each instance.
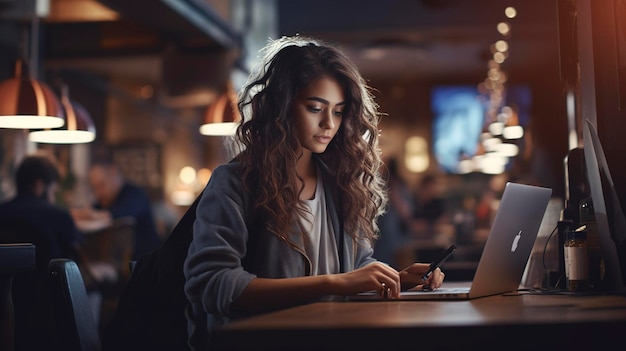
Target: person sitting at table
(116, 197)
(292, 217)
(32, 216)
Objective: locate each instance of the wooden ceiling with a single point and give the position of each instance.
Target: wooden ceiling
(429, 40)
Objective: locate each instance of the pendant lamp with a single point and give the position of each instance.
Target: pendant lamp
(222, 117)
(78, 128)
(26, 103)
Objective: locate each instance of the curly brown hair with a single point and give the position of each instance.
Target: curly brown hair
(268, 142)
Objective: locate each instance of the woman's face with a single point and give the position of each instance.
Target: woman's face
(318, 111)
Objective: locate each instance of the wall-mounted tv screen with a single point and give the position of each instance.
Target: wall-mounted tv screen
(460, 116)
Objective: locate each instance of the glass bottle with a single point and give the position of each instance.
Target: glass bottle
(576, 252)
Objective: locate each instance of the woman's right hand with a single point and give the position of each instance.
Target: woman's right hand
(265, 294)
(376, 276)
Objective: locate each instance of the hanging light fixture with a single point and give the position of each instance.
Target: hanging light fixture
(222, 117)
(78, 127)
(26, 103)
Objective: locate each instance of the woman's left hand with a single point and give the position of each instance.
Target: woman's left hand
(411, 277)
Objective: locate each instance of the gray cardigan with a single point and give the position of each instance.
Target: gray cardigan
(229, 249)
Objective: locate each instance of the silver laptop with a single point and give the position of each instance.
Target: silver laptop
(506, 251)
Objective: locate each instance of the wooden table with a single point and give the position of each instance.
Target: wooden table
(518, 322)
(111, 242)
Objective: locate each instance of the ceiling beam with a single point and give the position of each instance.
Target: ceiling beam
(189, 21)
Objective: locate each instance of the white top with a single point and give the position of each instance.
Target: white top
(319, 237)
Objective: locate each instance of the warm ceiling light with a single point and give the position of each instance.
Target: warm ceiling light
(78, 127)
(493, 164)
(466, 166)
(26, 103)
(507, 150)
(222, 117)
(499, 57)
(513, 132)
(504, 28)
(187, 175)
(510, 12)
(416, 157)
(80, 11)
(495, 128)
(491, 144)
(501, 45)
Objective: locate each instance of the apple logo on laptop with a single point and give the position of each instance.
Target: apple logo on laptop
(516, 241)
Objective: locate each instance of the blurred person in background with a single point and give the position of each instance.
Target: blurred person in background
(117, 197)
(33, 216)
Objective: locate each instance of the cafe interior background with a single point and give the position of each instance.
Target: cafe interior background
(473, 92)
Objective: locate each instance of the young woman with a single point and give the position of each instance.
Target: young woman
(292, 218)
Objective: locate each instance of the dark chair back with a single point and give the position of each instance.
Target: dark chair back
(29, 290)
(15, 259)
(75, 322)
